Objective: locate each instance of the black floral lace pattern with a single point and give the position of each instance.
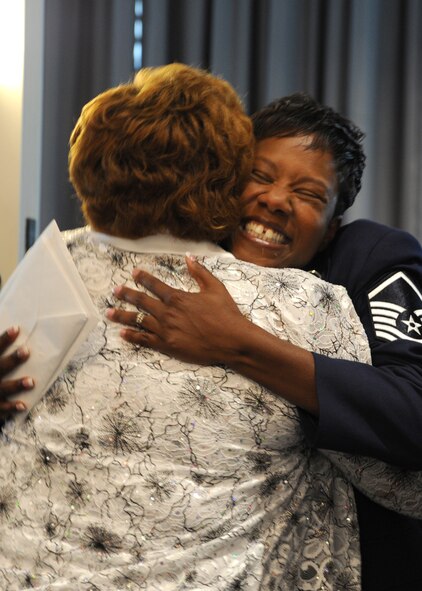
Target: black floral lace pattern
(140, 472)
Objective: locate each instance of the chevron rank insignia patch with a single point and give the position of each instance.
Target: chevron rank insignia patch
(396, 309)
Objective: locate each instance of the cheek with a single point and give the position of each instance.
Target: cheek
(248, 194)
(310, 217)
(312, 230)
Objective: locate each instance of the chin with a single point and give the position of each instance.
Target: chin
(257, 258)
(249, 252)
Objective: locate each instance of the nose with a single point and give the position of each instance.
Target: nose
(276, 199)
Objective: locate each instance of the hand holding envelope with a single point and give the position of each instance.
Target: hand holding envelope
(46, 298)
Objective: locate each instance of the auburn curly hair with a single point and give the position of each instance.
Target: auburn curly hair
(169, 151)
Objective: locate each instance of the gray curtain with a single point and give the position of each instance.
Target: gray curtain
(362, 57)
(88, 47)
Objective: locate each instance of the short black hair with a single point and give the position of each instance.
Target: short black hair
(298, 115)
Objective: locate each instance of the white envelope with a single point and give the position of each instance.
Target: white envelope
(46, 298)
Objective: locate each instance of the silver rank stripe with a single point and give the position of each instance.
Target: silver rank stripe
(392, 321)
(385, 317)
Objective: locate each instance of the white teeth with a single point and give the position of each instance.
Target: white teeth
(263, 233)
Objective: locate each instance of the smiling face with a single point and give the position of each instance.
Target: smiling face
(288, 204)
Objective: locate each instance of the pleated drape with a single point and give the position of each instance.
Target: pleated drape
(363, 57)
(88, 47)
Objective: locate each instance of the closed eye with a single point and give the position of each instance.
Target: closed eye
(260, 177)
(310, 194)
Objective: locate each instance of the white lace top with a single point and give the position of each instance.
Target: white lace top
(137, 471)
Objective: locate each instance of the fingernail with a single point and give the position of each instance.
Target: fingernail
(13, 331)
(28, 383)
(20, 406)
(191, 257)
(22, 352)
(117, 290)
(109, 312)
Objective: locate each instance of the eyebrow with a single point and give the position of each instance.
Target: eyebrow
(268, 162)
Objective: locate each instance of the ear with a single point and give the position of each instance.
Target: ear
(332, 229)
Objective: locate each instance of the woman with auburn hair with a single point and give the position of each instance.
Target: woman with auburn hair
(169, 152)
(137, 471)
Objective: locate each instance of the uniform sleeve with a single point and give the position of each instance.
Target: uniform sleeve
(376, 410)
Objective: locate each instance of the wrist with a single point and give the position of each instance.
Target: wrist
(238, 348)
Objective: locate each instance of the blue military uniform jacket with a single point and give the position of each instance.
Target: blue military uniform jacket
(377, 410)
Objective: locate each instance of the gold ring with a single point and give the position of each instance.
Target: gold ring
(139, 318)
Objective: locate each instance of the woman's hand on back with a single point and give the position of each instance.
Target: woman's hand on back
(194, 327)
(207, 328)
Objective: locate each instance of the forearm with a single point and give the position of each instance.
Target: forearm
(279, 366)
(370, 411)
